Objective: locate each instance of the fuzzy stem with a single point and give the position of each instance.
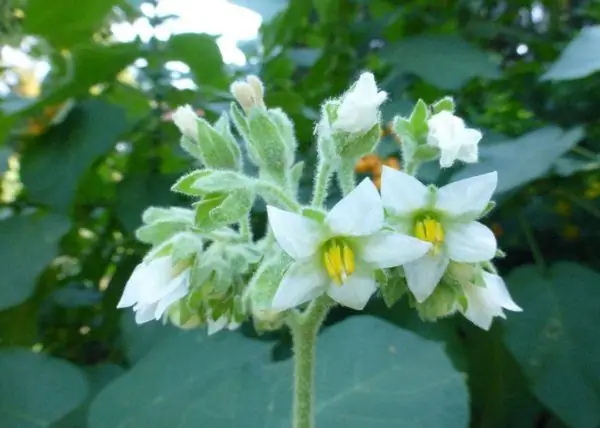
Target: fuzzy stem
(246, 228)
(346, 178)
(305, 328)
(321, 184)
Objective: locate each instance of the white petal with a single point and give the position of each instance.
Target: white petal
(500, 293)
(469, 196)
(402, 193)
(477, 310)
(130, 293)
(216, 326)
(360, 213)
(297, 235)
(470, 242)
(424, 274)
(359, 107)
(144, 313)
(356, 290)
(179, 289)
(148, 282)
(482, 307)
(469, 151)
(387, 249)
(303, 281)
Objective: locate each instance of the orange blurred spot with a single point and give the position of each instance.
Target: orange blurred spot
(392, 162)
(35, 127)
(497, 229)
(367, 163)
(377, 182)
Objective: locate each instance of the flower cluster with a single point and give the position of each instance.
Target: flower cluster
(393, 236)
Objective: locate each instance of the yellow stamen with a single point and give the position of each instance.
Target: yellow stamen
(430, 230)
(330, 268)
(348, 260)
(339, 262)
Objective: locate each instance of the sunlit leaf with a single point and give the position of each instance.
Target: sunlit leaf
(580, 58)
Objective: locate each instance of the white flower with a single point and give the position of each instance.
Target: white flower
(359, 108)
(446, 217)
(485, 303)
(455, 141)
(339, 255)
(186, 120)
(153, 287)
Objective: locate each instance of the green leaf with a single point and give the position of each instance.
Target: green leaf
(447, 62)
(137, 192)
(201, 53)
(580, 58)
(66, 22)
(555, 339)
(389, 376)
(51, 172)
(139, 340)
(537, 151)
(37, 390)
(28, 244)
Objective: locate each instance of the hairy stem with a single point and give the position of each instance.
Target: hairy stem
(321, 184)
(346, 178)
(305, 328)
(245, 228)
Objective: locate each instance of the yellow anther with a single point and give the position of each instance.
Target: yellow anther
(348, 260)
(330, 268)
(338, 259)
(430, 230)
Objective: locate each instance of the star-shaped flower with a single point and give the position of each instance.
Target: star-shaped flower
(451, 136)
(339, 253)
(445, 217)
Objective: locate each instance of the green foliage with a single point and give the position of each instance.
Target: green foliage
(74, 187)
(37, 390)
(555, 340)
(579, 59)
(34, 240)
(388, 363)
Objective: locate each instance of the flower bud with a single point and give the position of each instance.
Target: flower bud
(186, 120)
(249, 93)
(444, 301)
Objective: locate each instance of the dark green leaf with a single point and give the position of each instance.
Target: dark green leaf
(537, 151)
(580, 58)
(28, 244)
(445, 61)
(36, 390)
(388, 376)
(66, 22)
(555, 339)
(51, 173)
(202, 55)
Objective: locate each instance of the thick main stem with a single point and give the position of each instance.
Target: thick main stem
(346, 178)
(305, 328)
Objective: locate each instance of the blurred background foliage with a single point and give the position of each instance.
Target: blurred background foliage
(88, 143)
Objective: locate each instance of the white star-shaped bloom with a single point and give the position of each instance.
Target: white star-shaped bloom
(339, 254)
(445, 217)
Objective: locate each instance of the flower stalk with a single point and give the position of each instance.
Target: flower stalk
(305, 328)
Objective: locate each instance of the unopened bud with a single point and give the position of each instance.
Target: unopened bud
(186, 120)
(248, 93)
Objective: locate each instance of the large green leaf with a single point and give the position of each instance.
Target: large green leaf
(27, 244)
(51, 172)
(36, 390)
(523, 159)
(580, 58)
(445, 61)
(201, 53)
(66, 22)
(369, 373)
(555, 339)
